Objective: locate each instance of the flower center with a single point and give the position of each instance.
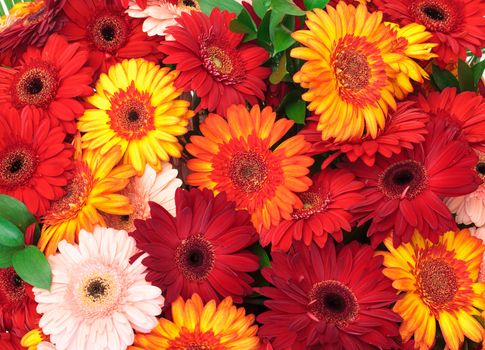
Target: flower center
(189, 4)
(97, 292)
(12, 289)
(224, 64)
(248, 171)
(131, 114)
(108, 32)
(436, 15)
(333, 302)
(77, 192)
(35, 85)
(405, 179)
(196, 340)
(313, 203)
(352, 69)
(17, 165)
(480, 168)
(195, 258)
(437, 281)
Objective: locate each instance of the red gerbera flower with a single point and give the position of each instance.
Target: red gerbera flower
(324, 212)
(456, 25)
(463, 112)
(403, 193)
(17, 304)
(201, 250)
(9, 341)
(109, 35)
(29, 23)
(214, 62)
(35, 162)
(49, 79)
(406, 126)
(324, 300)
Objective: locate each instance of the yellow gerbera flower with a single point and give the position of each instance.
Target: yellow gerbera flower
(93, 188)
(440, 284)
(348, 73)
(136, 108)
(199, 326)
(33, 338)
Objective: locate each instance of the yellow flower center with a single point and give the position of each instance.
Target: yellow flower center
(220, 60)
(437, 282)
(352, 70)
(313, 203)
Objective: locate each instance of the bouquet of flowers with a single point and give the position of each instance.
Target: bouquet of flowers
(242, 175)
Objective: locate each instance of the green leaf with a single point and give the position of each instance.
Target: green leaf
(296, 111)
(282, 40)
(16, 212)
(280, 72)
(10, 235)
(6, 254)
(261, 7)
(287, 7)
(312, 4)
(443, 78)
(230, 5)
(263, 30)
(244, 24)
(263, 256)
(32, 266)
(478, 70)
(465, 77)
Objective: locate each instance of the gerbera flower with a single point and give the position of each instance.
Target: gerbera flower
(325, 300)
(160, 14)
(456, 25)
(109, 35)
(405, 127)
(137, 109)
(150, 187)
(199, 326)
(35, 163)
(236, 157)
(479, 232)
(439, 282)
(92, 190)
(17, 305)
(403, 193)
(214, 62)
(49, 79)
(36, 340)
(470, 209)
(325, 212)
(9, 341)
(201, 250)
(462, 112)
(28, 23)
(97, 297)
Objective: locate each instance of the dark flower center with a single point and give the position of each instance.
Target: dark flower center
(436, 15)
(190, 3)
(195, 258)
(437, 281)
(333, 302)
(480, 168)
(352, 70)
(313, 203)
(198, 347)
(405, 179)
(97, 289)
(248, 171)
(125, 218)
(131, 114)
(35, 85)
(17, 165)
(12, 288)
(108, 32)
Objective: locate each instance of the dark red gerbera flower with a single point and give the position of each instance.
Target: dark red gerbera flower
(405, 127)
(201, 250)
(49, 79)
(17, 304)
(29, 23)
(9, 341)
(110, 36)
(325, 212)
(35, 163)
(403, 193)
(324, 300)
(456, 25)
(463, 112)
(214, 62)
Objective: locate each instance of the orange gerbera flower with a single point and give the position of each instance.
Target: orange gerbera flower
(237, 156)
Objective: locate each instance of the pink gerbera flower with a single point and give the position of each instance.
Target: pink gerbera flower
(97, 297)
(150, 187)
